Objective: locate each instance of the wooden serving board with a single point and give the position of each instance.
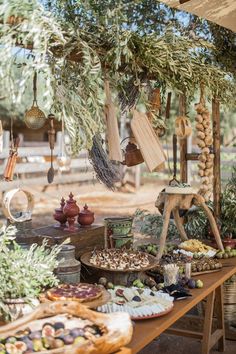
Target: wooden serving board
(102, 300)
(206, 272)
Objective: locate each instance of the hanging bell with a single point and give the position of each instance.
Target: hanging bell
(132, 155)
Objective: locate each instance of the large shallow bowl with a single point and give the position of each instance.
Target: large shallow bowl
(85, 259)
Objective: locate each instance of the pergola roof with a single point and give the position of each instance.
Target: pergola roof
(222, 12)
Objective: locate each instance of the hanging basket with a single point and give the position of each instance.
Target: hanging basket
(183, 127)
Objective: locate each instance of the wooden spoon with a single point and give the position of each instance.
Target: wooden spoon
(51, 171)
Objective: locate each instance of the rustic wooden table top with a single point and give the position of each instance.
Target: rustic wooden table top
(147, 330)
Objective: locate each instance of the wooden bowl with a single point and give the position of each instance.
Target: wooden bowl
(118, 325)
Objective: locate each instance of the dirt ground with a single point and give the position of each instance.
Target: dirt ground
(107, 203)
(102, 201)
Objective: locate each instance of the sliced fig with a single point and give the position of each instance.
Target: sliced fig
(11, 348)
(119, 292)
(48, 331)
(21, 346)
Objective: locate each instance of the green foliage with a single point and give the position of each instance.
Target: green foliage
(117, 39)
(24, 273)
(151, 224)
(228, 207)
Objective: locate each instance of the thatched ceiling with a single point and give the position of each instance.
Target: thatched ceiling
(222, 12)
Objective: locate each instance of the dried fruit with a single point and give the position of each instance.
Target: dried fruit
(37, 345)
(58, 343)
(58, 325)
(136, 298)
(110, 285)
(68, 339)
(199, 284)
(35, 335)
(77, 332)
(79, 340)
(191, 284)
(102, 281)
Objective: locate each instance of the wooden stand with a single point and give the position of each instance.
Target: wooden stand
(175, 202)
(209, 338)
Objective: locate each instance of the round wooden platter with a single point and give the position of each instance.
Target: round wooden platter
(102, 300)
(85, 259)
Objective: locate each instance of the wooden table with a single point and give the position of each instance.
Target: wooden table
(84, 239)
(147, 330)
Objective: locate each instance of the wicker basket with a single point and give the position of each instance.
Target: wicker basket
(230, 299)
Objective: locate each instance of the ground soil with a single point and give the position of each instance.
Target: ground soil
(107, 203)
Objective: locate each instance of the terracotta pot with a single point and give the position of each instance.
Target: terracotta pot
(86, 217)
(19, 307)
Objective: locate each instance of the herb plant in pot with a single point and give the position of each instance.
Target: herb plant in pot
(24, 274)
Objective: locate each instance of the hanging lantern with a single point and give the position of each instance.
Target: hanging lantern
(34, 117)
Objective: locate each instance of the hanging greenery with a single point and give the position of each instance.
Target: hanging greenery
(74, 44)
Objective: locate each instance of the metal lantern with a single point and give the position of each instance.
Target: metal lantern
(34, 117)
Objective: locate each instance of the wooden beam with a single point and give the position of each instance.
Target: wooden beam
(216, 148)
(192, 156)
(183, 144)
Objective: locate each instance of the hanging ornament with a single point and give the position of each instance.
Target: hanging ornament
(34, 117)
(63, 160)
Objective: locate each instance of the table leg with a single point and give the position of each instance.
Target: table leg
(179, 225)
(207, 327)
(219, 312)
(166, 217)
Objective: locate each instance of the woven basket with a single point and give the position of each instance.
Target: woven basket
(230, 299)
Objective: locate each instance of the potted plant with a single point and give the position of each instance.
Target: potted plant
(24, 273)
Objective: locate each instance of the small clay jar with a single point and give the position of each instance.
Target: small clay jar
(86, 217)
(60, 216)
(71, 210)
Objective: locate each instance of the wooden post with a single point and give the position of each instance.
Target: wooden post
(183, 145)
(216, 148)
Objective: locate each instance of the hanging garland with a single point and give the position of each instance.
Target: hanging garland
(204, 142)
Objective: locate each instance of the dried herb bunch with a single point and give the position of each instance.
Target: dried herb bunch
(24, 273)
